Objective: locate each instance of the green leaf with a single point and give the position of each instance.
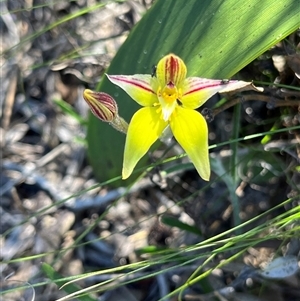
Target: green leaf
(215, 38)
(174, 222)
(70, 288)
(69, 110)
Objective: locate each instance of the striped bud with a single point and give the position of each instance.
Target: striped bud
(102, 105)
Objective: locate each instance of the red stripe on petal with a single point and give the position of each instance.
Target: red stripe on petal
(136, 82)
(202, 88)
(171, 68)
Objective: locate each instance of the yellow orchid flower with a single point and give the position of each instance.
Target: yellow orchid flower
(169, 98)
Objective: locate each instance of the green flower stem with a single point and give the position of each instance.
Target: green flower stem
(119, 124)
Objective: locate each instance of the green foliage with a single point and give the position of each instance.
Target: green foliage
(174, 222)
(215, 38)
(206, 250)
(69, 110)
(70, 288)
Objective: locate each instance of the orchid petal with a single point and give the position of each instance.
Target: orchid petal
(145, 128)
(198, 90)
(240, 85)
(137, 86)
(171, 68)
(190, 130)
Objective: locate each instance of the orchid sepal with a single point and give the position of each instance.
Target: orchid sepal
(190, 130)
(139, 138)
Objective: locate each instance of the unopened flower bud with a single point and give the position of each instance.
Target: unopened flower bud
(102, 105)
